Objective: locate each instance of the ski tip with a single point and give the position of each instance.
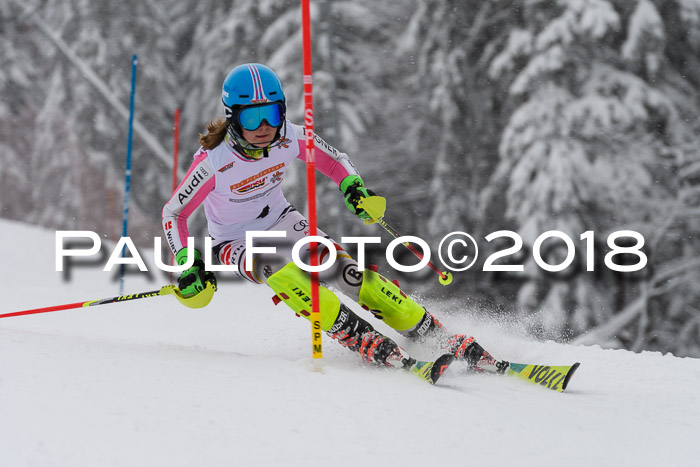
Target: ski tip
(571, 372)
(431, 371)
(440, 365)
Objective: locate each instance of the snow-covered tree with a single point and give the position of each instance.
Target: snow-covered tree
(586, 147)
(452, 132)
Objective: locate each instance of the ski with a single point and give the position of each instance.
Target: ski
(431, 371)
(555, 378)
(552, 377)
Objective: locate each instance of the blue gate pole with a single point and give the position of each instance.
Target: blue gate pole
(127, 183)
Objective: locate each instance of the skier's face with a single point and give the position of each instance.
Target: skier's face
(261, 136)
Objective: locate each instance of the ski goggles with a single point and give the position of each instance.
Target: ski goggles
(251, 118)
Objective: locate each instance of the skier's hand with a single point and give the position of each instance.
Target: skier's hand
(193, 280)
(353, 189)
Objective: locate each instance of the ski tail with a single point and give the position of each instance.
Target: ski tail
(431, 371)
(552, 377)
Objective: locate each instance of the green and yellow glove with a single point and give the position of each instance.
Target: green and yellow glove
(353, 189)
(193, 280)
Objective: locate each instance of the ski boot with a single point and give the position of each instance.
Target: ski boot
(466, 349)
(463, 347)
(293, 286)
(358, 335)
(386, 300)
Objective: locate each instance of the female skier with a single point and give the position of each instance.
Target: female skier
(237, 174)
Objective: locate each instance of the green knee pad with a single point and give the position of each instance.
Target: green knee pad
(386, 300)
(293, 287)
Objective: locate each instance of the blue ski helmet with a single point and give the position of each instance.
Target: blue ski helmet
(253, 85)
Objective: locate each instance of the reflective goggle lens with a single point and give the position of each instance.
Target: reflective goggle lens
(251, 118)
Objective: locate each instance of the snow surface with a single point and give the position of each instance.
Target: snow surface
(151, 383)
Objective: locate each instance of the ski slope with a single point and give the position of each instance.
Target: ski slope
(151, 383)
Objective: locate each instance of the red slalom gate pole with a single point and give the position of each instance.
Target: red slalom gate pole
(316, 341)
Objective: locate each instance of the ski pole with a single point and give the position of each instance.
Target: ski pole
(375, 206)
(198, 301)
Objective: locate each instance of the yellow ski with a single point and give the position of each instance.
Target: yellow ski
(552, 377)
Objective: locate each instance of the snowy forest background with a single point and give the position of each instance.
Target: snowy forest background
(472, 115)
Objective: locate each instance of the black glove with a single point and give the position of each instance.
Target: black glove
(354, 189)
(193, 280)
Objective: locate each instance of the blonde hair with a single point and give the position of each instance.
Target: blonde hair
(216, 132)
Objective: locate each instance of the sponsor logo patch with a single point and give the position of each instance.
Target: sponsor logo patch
(252, 186)
(257, 181)
(226, 167)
